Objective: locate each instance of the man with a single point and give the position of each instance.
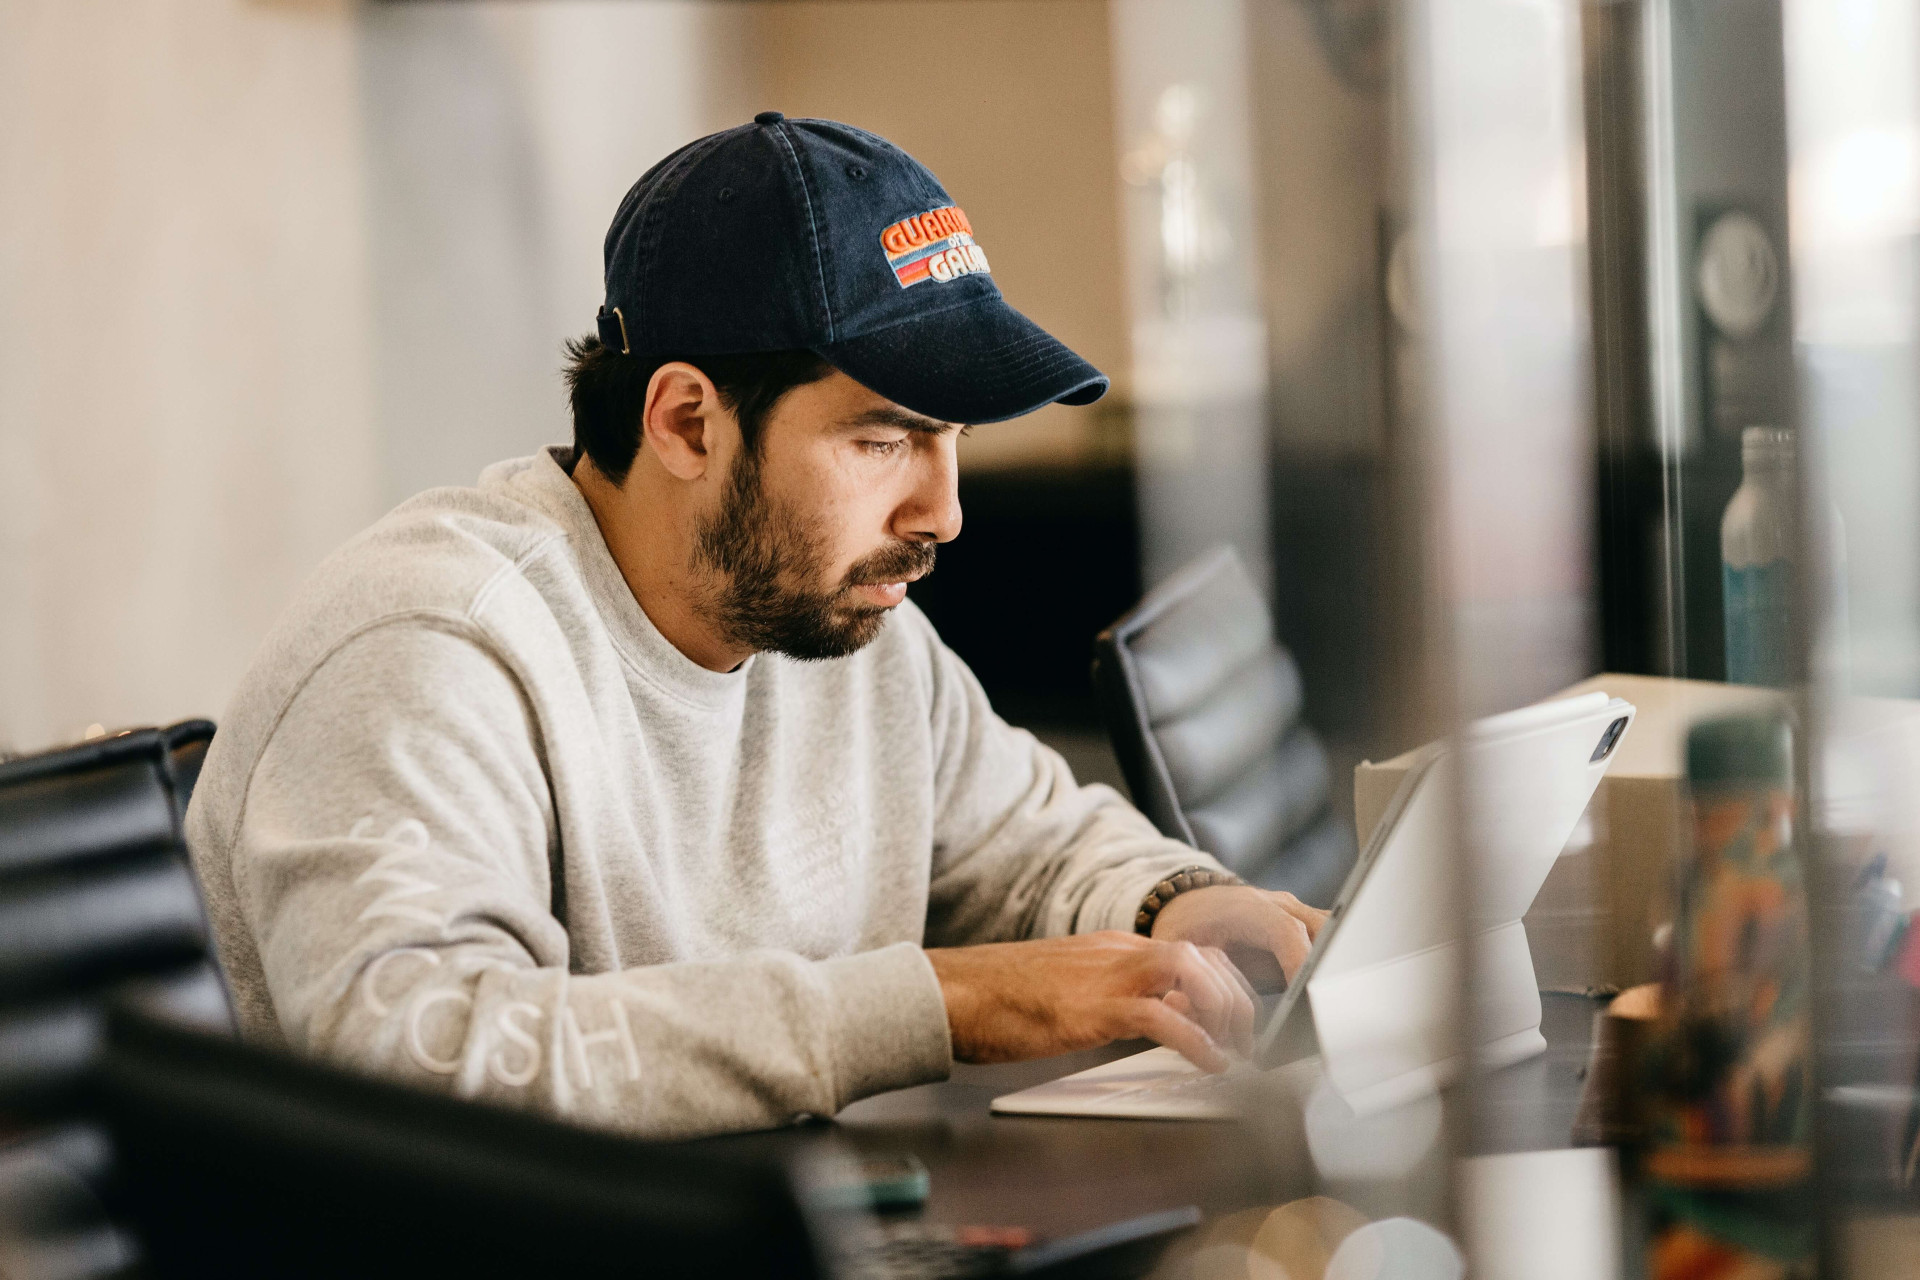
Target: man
(626, 785)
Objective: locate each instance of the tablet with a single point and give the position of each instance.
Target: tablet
(1375, 1004)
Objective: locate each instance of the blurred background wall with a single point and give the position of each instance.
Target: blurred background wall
(271, 267)
(499, 138)
(187, 418)
(274, 265)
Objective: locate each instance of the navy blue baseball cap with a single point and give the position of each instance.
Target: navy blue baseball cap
(809, 234)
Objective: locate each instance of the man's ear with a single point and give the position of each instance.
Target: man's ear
(682, 415)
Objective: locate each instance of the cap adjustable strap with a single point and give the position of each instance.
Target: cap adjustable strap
(613, 330)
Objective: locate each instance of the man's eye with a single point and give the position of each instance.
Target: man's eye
(881, 448)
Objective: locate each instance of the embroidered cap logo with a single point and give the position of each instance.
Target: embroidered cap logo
(937, 244)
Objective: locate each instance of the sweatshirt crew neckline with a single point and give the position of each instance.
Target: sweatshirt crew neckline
(543, 481)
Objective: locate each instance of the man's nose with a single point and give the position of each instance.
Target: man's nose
(932, 512)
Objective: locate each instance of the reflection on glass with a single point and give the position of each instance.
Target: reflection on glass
(1199, 340)
(1855, 180)
(1506, 345)
(1853, 128)
(1485, 281)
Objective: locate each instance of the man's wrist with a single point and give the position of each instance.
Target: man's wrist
(1182, 881)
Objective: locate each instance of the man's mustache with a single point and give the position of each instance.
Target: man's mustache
(897, 562)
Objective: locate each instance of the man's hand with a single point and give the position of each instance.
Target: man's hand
(1268, 934)
(1007, 1001)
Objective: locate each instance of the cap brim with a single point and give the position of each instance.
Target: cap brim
(981, 362)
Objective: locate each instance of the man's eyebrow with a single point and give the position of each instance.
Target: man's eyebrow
(901, 418)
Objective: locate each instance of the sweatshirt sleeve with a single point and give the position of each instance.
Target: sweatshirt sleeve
(394, 864)
(1020, 849)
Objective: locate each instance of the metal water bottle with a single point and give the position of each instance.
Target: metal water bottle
(1757, 546)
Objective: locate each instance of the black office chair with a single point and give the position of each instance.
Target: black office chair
(1203, 708)
(97, 902)
(235, 1161)
(96, 894)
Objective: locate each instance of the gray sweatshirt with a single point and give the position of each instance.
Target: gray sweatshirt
(472, 822)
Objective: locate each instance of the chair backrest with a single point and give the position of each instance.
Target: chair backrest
(96, 894)
(187, 744)
(234, 1160)
(1203, 708)
(97, 903)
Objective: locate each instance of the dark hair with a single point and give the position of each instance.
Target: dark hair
(609, 391)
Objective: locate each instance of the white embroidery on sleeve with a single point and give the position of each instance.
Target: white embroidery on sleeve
(519, 1035)
(399, 869)
(370, 979)
(415, 1015)
(620, 1033)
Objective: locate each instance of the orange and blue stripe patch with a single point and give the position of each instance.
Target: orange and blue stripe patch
(935, 245)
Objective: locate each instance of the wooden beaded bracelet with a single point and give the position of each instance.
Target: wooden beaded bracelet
(1172, 887)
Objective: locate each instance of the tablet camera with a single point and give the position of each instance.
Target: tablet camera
(1608, 741)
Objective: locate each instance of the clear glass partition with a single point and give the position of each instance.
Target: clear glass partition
(1853, 145)
(1649, 283)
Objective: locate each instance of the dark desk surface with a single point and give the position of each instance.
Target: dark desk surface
(1058, 1176)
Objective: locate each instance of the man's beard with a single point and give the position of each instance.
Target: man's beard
(763, 557)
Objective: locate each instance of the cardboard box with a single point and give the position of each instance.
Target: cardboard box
(1592, 925)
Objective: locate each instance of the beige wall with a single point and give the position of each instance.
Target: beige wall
(501, 137)
(184, 397)
(1010, 103)
(268, 267)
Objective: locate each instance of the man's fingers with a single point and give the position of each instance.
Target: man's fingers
(1211, 994)
(1312, 917)
(1232, 971)
(1289, 941)
(1157, 1021)
(1241, 1000)
(1221, 1003)
(1229, 1017)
